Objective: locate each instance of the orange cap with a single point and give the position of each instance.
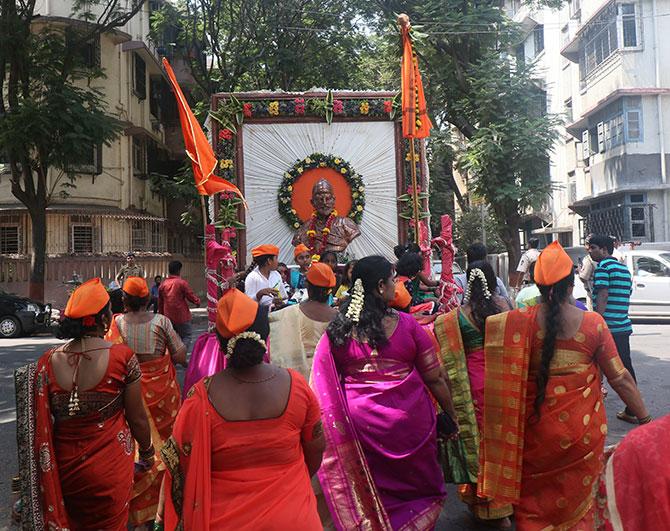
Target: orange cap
(402, 297)
(265, 249)
(321, 275)
(235, 312)
(299, 249)
(552, 265)
(136, 286)
(87, 299)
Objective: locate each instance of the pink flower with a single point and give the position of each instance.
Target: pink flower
(228, 233)
(410, 191)
(225, 134)
(388, 106)
(299, 105)
(338, 106)
(247, 109)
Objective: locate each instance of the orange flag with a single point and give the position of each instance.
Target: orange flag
(415, 121)
(198, 148)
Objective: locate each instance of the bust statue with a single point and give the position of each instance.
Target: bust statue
(325, 231)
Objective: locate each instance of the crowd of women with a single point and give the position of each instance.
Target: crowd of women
(505, 403)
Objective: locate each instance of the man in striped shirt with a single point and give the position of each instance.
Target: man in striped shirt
(612, 287)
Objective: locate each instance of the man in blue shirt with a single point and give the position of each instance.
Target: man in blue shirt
(612, 287)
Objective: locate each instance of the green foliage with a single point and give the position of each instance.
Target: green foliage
(468, 230)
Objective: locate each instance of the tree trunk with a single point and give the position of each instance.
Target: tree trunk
(38, 218)
(509, 233)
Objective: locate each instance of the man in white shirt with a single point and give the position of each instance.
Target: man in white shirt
(264, 284)
(528, 258)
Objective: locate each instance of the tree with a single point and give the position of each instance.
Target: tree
(51, 117)
(473, 87)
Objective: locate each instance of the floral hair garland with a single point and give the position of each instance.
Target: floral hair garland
(477, 274)
(244, 335)
(357, 301)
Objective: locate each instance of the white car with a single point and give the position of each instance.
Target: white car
(651, 282)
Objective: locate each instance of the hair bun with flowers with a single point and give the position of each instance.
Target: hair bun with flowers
(244, 335)
(477, 274)
(357, 301)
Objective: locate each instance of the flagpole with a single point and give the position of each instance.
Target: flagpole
(415, 191)
(203, 206)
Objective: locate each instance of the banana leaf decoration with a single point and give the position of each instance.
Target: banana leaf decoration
(329, 107)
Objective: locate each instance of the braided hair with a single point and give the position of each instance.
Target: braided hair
(482, 304)
(370, 270)
(552, 296)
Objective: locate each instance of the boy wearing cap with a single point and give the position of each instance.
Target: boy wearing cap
(303, 259)
(264, 284)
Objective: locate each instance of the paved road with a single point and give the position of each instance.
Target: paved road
(651, 357)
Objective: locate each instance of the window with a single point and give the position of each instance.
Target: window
(140, 77)
(568, 110)
(538, 39)
(586, 145)
(88, 52)
(565, 239)
(575, 8)
(572, 192)
(645, 266)
(155, 97)
(82, 239)
(629, 25)
(9, 239)
(633, 125)
(638, 221)
(139, 157)
(636, 198)
(520, 53)
(157, 238)
(138, 236)
(91, 162)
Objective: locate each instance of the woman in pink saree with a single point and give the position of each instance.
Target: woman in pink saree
(374, 372)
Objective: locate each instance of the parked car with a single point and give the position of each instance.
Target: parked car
(651, 282)
(437, 269)
(22, 316)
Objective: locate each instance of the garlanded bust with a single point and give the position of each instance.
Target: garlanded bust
(325, 231)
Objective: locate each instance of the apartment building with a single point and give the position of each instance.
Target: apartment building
(113, 209)
(603, 69)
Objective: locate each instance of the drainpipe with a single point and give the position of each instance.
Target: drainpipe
(661, 129)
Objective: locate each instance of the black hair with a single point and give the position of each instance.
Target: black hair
(248, 352)
(282, 264)
(349, 265)
(116, 300)
(70, 328)
(409, 264)
(403, 248)
(133, 302)
(328, 253)
(482, 307)
(157, 277)
(370, 270)
(477, 251)
(533, 243)
(552, 296)
(602, 241)
(318, 293)
(174, 267)
(130, 253)
(531, 271)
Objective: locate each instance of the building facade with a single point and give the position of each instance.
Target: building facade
(603, 69)
(113, 207)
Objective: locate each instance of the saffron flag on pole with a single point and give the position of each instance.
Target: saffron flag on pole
(415, 121)
(197, 147)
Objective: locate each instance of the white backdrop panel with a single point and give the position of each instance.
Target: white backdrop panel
(271, 149)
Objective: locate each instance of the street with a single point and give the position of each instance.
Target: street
(651, 358)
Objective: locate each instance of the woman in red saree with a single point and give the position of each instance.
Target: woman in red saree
(156, 345)
(79, 410)
(246, 440)
(544, 418)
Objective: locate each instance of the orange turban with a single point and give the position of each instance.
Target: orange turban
(321, 275)
(262, 250)
(235, 312)
(552, 265)
(299, 249)
(87, 299)
(402, 297)
(136, 287)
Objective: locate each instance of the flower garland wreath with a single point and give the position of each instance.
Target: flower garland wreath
(319, 160)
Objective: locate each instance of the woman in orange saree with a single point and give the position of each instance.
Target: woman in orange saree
(78, 410)
(152, 338)
(544, 419)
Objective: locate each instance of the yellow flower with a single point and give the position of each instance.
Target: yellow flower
(300, 169)
(322, 164)
(326, 230)
(418, 123)
(293, 211)
(311, 233)
(289, 188)
(354, 195)
(287, 175)
(273, 108)
(296, 225)
(359, 208)
(337, 161)
(365, 107)
(316, 258)
(361, 189)
(225, 164)
(343, 170)
(334, 212)
(308, 160)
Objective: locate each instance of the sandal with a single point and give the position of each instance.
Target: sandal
(622, 415)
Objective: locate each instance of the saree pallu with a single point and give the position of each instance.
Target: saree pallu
(161, 397)
(637, 480)
(81, 471)
(376, 473)
(466, 379)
